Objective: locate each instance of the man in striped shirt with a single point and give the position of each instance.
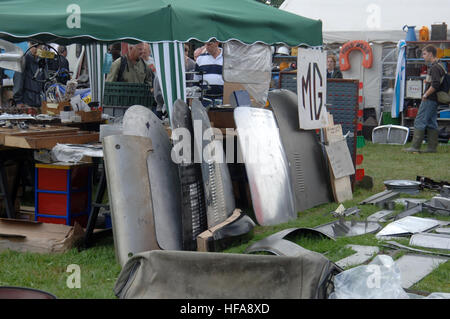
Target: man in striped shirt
(210, 64)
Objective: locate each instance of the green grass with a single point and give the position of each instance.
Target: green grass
(99, 269)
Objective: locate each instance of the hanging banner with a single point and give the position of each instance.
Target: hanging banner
(312, 88)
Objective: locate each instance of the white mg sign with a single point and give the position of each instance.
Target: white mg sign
(312, 88)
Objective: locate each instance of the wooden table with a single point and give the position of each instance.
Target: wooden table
(39, 137)
(17, 145)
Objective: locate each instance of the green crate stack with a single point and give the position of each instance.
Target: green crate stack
(127, 94)
(388, 119)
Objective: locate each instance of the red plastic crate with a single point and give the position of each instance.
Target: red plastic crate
(54, 186)
(359, 174)
(56, 204)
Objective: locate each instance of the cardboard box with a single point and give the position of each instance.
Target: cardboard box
(37, 237)
(54, 108)
(92, 116)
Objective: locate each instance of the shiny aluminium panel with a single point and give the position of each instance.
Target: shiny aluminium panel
(266, 165)
(165, 186)
(307, 162)
(129, 194)
(219, 197)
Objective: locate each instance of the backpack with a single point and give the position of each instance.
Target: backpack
(443, 95)
(123, 64)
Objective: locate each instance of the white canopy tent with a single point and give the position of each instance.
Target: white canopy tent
(378, 22)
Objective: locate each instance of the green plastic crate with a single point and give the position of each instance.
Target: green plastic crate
(125, 94)
(387, 119)
(360, 142)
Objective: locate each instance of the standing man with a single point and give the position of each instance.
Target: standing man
(210, 64)
(131, 67)
(27, 90)
(332, 71)
(426, 118)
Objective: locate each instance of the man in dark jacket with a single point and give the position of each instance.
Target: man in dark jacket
(27, 91)
(426, 118)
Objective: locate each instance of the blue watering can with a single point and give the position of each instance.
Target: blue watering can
(411, 33)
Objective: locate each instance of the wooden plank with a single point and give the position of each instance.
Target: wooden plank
(33, 130)
(48, 142)
(342, 188)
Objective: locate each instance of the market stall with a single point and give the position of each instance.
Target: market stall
(157, 22)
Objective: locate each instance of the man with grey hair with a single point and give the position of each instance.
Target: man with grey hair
(131, 67)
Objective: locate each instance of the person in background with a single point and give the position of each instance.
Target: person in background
(189, 65)
(332, 71)
(426, 118)
(210, 64)
(131, 67)
(116, 50)
(27, 90)
(199, 51)
(148, 59)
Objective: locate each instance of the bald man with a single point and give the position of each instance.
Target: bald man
(131, 67)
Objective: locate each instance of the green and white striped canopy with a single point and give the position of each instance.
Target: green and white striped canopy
(169, 63)
(84, 21)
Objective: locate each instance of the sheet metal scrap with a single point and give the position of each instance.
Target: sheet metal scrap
(381, 216)
(162, 173)
(342, 228)
(266, 165)
(280, 243)
(130, 195)
(219, 197)
(415, 267)
(363, 254)
(410, 202)
(437, 241)
(307, 162)
(443, 230)
(380, 198)
(409, 212)
(395, 245)
(407, 226)
(193, 214)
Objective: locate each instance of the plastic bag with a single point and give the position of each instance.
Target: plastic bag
(378, 280)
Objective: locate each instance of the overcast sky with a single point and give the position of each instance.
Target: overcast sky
(346, 15)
